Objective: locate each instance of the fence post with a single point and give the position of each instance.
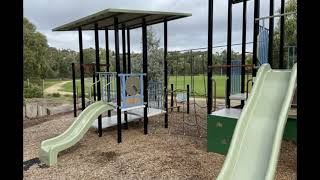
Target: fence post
(188, 95)
(171, 97)
(28, 82)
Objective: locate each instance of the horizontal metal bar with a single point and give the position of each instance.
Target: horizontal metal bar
(106, 73)
(226, 66)
(133, 74)
(203, 48)
(277, 15)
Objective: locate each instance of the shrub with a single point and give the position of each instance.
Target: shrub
(33, 91)
(56, 95)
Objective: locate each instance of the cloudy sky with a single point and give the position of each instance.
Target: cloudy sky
(184, 33)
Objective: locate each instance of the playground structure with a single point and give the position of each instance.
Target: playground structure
(121, 91)
(128, 93)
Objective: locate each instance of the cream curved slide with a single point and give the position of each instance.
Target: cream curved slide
(50, 148)
(256, 141)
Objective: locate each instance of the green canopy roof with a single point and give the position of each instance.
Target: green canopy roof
(130, 18)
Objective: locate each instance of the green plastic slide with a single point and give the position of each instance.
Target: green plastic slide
(50, 148)
(256, 141)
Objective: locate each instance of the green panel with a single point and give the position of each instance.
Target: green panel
(290, 131)
(220, 131)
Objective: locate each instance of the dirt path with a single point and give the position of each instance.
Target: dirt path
(55, 89)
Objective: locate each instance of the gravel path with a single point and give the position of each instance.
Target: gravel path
(55, 89)
(158, 155)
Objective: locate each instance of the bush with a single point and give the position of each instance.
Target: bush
(33, 91)
(56, 95)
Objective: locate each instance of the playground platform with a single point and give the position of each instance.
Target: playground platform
(132, 115)
(221, 125)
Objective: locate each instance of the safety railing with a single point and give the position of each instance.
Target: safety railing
(108, 87)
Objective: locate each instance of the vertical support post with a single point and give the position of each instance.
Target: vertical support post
(255, 35)
(171, 104)
(210, 69)
(271, 25)
(116, 38)
(108, 63)
(96, 37)
(74, 91)
(281, 53)
(94, 81)
(188, 97)
(165, 73)
(229, 52)
(145, 70)
(83, 103)
(124, 66)
(129, 53)
(243, 54)
(124, 61)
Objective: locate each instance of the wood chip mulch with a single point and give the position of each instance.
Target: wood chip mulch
(162, 154)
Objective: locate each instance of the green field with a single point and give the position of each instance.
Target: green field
(200, 84)
(68, 86)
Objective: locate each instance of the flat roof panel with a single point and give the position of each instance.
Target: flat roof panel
(130, 18)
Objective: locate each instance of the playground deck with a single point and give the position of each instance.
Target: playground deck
(135, 115)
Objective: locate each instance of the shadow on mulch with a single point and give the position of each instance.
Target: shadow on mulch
(31, 162)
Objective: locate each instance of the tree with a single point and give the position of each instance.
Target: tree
(290, 31)
(155, 57)
(35, 48)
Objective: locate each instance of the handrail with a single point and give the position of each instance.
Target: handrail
(277, 15)
(103, 86)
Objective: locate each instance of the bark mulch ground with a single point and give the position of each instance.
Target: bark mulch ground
(162, 154)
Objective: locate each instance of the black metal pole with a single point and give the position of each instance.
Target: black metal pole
(74, 91)
(255, 35)
(124, 68)
(210, 70)
(124, 61)
(229, 52)
(145, 70)
(107, 62)
(129, 53)
(271, 25)
(165, 73)
(83, 103)
(281, 53)
(116, 38)
(243, 54)
(171, 104)
(188, 102)
(94, 81)
(96, 37)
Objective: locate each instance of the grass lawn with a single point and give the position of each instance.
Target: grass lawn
(200, 83)
(68, 86)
